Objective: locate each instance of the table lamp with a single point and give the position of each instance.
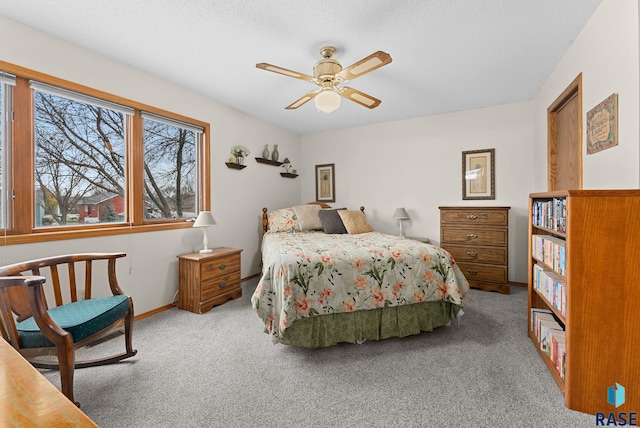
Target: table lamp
(401, 214)
(205, 219)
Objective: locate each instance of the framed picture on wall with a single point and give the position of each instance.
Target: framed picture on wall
(478, 174)
(325, 183)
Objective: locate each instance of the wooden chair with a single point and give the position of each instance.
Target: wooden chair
(38, 329)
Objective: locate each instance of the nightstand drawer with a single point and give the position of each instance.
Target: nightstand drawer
(477, 254)
(219, 285)
(474, 236)
(474, 216)
(222, 266)
(485, 273)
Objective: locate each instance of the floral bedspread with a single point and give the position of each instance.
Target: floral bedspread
(311, 273)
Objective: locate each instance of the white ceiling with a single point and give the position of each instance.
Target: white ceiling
(448, 55)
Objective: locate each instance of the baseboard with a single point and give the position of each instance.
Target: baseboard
(171, 305)
(518, 284)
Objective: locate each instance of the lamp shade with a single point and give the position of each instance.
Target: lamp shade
(205, 219)
(401, 214)
(327, 100)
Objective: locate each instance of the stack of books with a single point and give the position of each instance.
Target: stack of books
(552, 286)
(551, 337)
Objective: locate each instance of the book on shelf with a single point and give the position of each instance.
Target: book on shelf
(550, 285)
(547, 329)
(558, 350)
(550, 214)
(551, 251)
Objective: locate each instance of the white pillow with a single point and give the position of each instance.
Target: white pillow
(308, 218)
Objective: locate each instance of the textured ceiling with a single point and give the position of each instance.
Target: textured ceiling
(447, 55)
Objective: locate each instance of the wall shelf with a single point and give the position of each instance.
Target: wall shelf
(234, 165)
(268, 161)
(288, 175)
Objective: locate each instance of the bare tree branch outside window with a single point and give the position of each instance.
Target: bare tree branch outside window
(80, 165)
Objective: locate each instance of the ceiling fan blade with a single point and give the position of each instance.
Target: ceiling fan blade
(365, 65)
(303, 99)
(359, 97)
(280, 70)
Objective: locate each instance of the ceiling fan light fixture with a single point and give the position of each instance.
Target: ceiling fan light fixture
(327, 100)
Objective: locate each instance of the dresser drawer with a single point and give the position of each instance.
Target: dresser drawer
(474, 236)
(220, 266)
(477, 254)
(484, 273)
(474, 216)
(219, 285)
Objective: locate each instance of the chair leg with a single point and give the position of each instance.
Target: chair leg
(66, 364)
(128, 329)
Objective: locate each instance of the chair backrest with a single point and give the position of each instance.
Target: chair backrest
(7, 324)
(50, 267)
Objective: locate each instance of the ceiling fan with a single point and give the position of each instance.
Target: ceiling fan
(328, 74)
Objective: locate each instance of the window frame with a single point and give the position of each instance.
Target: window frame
(20, 229)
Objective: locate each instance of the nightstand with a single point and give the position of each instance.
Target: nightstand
(206, 280)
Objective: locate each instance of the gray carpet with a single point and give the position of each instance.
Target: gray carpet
(220, 370)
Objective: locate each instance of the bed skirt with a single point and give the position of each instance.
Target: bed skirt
(375, 324)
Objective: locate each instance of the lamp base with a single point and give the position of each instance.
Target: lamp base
(206, 251)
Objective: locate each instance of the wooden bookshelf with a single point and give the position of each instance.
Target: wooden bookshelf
(602, 273)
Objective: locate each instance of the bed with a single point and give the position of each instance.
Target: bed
(319, 288)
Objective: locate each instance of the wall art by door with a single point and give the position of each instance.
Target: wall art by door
(602, 125)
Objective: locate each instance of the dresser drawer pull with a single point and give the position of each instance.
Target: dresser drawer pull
(472, 254)
(472, 216)
(223, 266)
(222, 284)
(472, 236)
(472, 272)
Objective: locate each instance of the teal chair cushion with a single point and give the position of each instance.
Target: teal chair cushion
(81, 319)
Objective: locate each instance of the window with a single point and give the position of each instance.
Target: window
(79, 160)
(100, 164)
(170, 174)
(6, 82)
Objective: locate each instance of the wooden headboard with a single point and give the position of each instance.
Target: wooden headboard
(265, 215)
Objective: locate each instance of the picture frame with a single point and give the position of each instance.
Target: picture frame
(325, 183)
(478, 174)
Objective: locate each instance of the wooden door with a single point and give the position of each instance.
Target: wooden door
(564, 123)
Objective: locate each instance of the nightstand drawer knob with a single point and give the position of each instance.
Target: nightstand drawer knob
(471, 254)
(223, 266)
(472, 272)
(472, 236)
(472, 216)
(222, 284)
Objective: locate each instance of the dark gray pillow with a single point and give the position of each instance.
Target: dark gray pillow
(331, 221)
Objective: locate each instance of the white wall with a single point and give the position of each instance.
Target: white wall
(606, 52)
(149, 273)
(417, 164)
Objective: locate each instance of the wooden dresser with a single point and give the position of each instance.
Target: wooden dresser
(478, 240)
(206, 280)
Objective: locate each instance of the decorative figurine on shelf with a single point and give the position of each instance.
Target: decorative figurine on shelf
(275, 155)
(286, 164)
(265, 152)
(240, 152)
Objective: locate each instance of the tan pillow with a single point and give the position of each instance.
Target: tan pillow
(308, 218)
(355, 221)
